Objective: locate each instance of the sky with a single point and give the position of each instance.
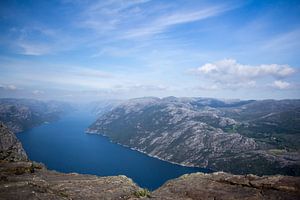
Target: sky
(81, 50)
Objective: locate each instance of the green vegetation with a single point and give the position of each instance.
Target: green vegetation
(35, 165)
(63, 194)
(231, 129)
(18, 170)
(142, 193)
(277, 151)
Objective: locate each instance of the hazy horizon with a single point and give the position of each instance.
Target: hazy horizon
(117, 49)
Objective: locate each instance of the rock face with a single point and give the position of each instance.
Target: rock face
(23, 179)
(22, 114)
(226, 186)
(260, 137)
(101, 107)
(10, 148)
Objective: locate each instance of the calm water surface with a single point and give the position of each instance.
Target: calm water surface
(64, 146)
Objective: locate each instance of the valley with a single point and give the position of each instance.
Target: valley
(249, 138)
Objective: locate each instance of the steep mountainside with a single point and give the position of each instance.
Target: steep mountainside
(10, 148)
(21, 114)
(101, 107)
(23, 179)
(260, 137)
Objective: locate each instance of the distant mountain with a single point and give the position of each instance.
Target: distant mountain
(22, 114)
(103, 106)
(260, 137)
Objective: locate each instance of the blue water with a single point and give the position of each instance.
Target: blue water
(64, 146)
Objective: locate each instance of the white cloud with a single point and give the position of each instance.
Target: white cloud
(9, 87)
(115, 5)
(230, 74)
(92, 73)
(105, 16)
(38, 92)
(108, 21)
(283, 42)
(164, 22)
(133, 19)
(33, 49)
(142, 87)
(231, 68)
(207, 87)
(281, 84)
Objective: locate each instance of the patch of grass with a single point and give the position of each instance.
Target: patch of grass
(277, 151)
(63, 194)
(142, 193)
(35, 165)
(19, 170)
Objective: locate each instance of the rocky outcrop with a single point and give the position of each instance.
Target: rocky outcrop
(23, 179)
(241, 137)
(227, 186)
(10, 148)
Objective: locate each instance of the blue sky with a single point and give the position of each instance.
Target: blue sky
(91, 50)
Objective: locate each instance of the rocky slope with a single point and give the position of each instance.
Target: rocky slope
(226, 186)
(103, 106)
(23, 179)
(22, 114)
(260, 137)
(10, 147)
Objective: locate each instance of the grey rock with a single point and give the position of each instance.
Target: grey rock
(10, 148)
(223, 186)
(25, 180)
(240, 137)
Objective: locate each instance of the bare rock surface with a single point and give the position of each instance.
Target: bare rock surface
(26, 180)
(10, 148)
(227, 186)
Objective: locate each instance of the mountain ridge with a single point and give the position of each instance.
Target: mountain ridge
(207, 132)
(22, 114)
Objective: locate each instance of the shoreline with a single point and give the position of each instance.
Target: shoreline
(143, 152)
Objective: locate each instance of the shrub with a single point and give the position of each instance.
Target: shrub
(142, 193)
